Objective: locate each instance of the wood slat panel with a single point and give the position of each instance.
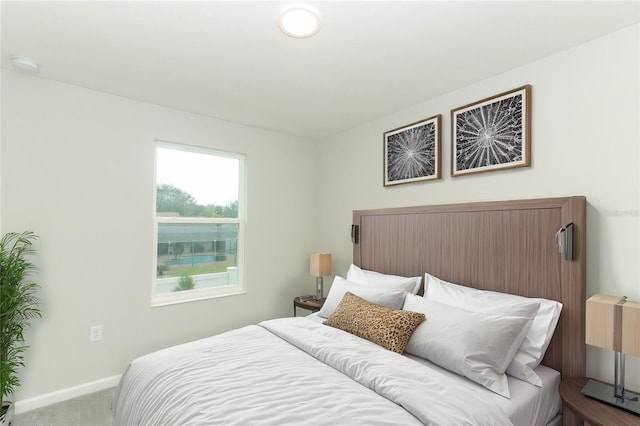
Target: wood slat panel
(504, 246)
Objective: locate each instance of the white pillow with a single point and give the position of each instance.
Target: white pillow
(475, 345)
(386, 297)
(535, 344)
(376, 279)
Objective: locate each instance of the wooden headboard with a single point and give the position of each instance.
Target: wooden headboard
(507, 246)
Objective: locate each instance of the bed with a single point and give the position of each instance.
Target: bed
(466, 258)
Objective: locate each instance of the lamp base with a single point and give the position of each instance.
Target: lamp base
(319, 289)
(605, 393)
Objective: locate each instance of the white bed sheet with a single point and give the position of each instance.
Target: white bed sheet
(528, 406)
(209, 382)
(330, 377)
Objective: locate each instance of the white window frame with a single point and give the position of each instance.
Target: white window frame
(208, 293)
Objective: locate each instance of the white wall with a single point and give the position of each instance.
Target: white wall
(585, 139)
(77, 169)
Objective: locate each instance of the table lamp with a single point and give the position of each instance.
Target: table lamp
(320, 266)
(613, 323)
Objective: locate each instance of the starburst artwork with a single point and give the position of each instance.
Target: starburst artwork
(412, 152)
(492, 134)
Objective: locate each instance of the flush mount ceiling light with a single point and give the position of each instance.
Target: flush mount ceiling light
(299, 23)
(25, 64)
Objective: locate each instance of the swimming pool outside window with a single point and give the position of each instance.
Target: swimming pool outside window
(198, 224)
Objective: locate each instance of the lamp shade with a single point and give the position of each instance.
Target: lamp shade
(600, 322)
(320, 264)
(631, 328)
(613, 323)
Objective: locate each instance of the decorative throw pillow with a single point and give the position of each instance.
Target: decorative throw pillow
(387, 327)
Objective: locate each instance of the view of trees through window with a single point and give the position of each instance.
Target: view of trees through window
(170, 199)
(197, 220)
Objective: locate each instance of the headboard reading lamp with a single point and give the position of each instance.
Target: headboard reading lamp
(613, 323)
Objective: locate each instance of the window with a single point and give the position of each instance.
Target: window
(198, 224)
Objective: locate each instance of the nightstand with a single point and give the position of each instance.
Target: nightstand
(592, 411)
(312, 305)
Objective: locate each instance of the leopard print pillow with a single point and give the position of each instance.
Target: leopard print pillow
(387, 327)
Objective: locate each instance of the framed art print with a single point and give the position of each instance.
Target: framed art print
(492, 134)
(412, 152)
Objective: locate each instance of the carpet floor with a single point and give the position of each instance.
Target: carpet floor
(87, 410)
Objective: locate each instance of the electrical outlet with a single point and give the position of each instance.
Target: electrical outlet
(95, 333)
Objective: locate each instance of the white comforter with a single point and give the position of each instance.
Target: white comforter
(292, 371)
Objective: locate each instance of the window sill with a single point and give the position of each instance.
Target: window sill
(194, 296)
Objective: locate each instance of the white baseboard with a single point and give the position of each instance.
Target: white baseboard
(65, 394)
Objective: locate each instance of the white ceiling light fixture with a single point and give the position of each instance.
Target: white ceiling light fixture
(25, 64)
(299, 22)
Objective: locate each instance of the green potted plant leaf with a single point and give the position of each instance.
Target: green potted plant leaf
(18, 305)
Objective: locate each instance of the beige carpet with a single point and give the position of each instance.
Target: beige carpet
(88, 410)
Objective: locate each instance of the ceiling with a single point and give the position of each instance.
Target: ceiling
(229, 59)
